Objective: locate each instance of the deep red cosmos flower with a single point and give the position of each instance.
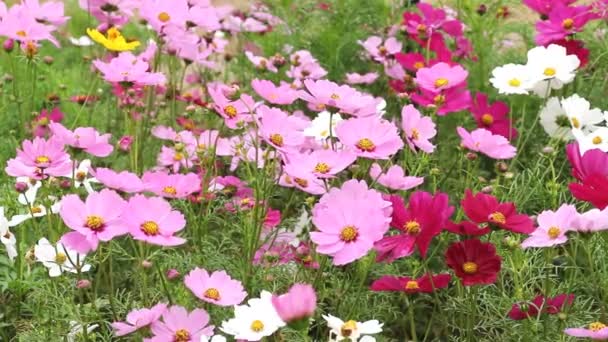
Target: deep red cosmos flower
(473, 261)
(591, 170)
(467, 228)
(484, 208)
(425, 284)
(493, 117)
(424, 218)
(540, 304)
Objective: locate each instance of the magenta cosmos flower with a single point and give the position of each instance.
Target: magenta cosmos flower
(595, 331)
(99, 218)
(299, 303)
(484, 209)
(492, 145)
(281, 95)
(418, 129)
(493, 117)
(152, 220)
(215, 288)
(85, 138)
(370, 137)
(139, 318)
(127, 69)
(441, 76)
(349, 221)
(178, 325)
(552, 227)
(564, 21)
(394, 178)
(40, 125)
(171, 185)
(124, 181)
(448, 101)
(40, 158)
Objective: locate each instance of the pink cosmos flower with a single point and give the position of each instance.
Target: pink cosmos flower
(394, 178)
(552, 227)
(356, 78)
(322, 93)
(370, 137)
(544, 7)
(152, 220)
(418, 129)
(595, 331)
(51, 12)
(322, 163)
(124, 143)
(127, 69)
(381, 51)
(99, 218)
(235, 113)
(563, 21)
(177, 158)
(171, 186)
(448, 101)
(493, 117)
(215, 288)
(278, 129)
(432, 20)
(441, 76)
(281, 95)
(139, 318)
(305, 180)
(20, 25)
(40, 125)
(85, 138)
(492, 145)
(260, 62)
(124, 181)
(160, 13)
(593, 220)
(178, 325)
(274, 253)
(40, 158)
(349, 221)
(299, 303)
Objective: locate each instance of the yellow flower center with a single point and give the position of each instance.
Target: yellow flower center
(498, 217)
(301, 182)
(568, 23)
(418, 65)
(276, 139)
(441, 82)
(415, 134)
(412, 227)
(164, 17)
(212, 293)
(347, 328)
(257, 325)
(469, 267)
(553, 232)
(21, 33)
(322, 168)
(421, 28)
(596, 326)
(36, 210)
(382, 50)
(182, 335)
(42, 160)
(596, 140)
(335, 96)
(412, 285)
(549, 72)
(575, 123)
(231, 111)
(113, 33)
(487, 119)
(170, 190)
(60, 258)
(514, 82)
(94, 223)
(348, 234)
(366, 145)
(178, 156)
(150, 228)
(439, 100)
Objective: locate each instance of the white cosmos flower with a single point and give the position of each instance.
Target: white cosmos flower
(6, 237)
(320, 126)
(76, 330)
(59, 259)
(592, 140)
(82, 41)
(255, 320)
(550, 68)
(28, 199)
(579, 113)
(511, 79)
(82, 176)
(216, 338)
(355, 331)
(554, 120)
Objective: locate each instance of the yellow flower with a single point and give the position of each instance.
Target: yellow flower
(113, 40)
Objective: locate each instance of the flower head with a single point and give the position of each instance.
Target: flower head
(171, 185)
(426, 284)
(418, 129)
(370, 137)
(394, 178)
(215, 288)
(39, 158)
(297, 304)
(113, 40)
(492, 145)
(59, 259)
(254, 321)
(138, 319)
(85, 138)
(485, 209)
(493, 117)
(552, 227)
(353, 330)
(180, 325)
(152, 220)
(473, 261)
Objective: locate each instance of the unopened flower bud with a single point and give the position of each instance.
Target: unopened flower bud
(487, 189)
(548, 150)
(21, 187)
(482, 9)
(471, 155)
(124, 144)
(172, 274)
(502, 167)
(191, 109)
(83, 284)
(435, 171)
(146, 264)
(48, 60)
(65, 184)
(8, 45)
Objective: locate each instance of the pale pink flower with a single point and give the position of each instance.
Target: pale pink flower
(394, 178)
(552, 227)
(300, 302)
(139, 318)
(596, 331)
(418, 129)
(152, 220)
(127, 69)
(278, 129)
(84, 138)
(440, 76)
(260, 62)
(281, 95)
(380, 51)
(593, 220)
(124, 181)
(171, 185)
(322, 163)
(492, 145)
(356, 78)
(370, 137)
(180, 325)
(161, 13)
(40, 158)
(215, 288)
